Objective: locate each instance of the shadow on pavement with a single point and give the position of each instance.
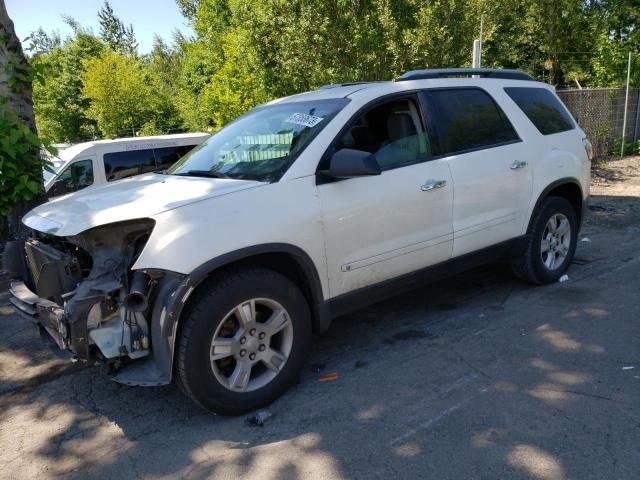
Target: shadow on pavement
(478, 376)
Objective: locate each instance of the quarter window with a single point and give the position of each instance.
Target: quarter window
(393, 132)
(543, 109)
(467, 119)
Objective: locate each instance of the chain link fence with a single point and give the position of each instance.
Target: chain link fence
(600, 113)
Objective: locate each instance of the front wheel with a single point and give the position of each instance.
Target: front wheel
(551, 244)
(244, 340)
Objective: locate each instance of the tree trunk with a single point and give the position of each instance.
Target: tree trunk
(20, 103)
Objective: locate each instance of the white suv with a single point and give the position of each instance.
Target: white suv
(217, 272)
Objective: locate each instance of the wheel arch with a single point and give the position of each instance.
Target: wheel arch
(286, 259)
(568, 188)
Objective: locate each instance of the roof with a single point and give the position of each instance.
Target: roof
(493, 73)
(73, 150)
(174, 136)
(439, 77)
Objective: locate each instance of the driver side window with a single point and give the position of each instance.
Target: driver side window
(393, 132)
(76, 176)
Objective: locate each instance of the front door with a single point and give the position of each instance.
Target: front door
(380, 227)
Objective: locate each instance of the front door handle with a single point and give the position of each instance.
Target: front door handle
(433, 184)
(518, 165)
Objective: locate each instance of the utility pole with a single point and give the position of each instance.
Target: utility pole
(476, 57)
(626, 107)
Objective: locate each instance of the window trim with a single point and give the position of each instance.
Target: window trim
(423, 96)
(376, 102)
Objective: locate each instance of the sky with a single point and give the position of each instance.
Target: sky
(147, 16)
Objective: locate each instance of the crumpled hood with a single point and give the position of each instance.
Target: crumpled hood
(137, 197)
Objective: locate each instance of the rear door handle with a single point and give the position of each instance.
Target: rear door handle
(433, 184)
(518, 165)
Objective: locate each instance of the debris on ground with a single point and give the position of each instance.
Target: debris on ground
(598, 208)
(318, 367)
(328, 377)
(360, 364)
(628, 368)
(563, 278)
(258, 418)
(585, 239)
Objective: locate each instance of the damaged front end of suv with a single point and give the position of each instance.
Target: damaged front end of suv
(83, 293)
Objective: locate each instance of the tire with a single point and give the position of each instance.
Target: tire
(535, 265)
(232, 308)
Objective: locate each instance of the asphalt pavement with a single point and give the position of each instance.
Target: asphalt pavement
(477, 377)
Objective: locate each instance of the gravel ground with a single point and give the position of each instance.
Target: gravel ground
(478, 377)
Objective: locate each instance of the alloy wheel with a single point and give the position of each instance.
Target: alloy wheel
(556, 241)
(251, 345)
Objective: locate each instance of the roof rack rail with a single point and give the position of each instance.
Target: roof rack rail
(504, 73)
(346, 84)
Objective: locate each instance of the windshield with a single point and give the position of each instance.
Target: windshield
(55, 165)
(262, 144)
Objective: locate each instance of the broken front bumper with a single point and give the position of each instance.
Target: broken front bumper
(90, 321)
(54, 275)
(40, 311)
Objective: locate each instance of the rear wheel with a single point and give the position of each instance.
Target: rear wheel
(244, 340)
(551, 243)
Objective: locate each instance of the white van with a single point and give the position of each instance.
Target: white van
(98, 162)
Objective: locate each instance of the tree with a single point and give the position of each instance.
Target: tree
(61, 109)
(124, 99)
(20, 162)
(618, 37)
(113, 32)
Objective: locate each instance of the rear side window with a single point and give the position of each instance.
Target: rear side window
(543, 109)
(125, 164)
(167, 156)
(467, 119)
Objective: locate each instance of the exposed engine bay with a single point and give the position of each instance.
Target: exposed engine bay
(82, 292)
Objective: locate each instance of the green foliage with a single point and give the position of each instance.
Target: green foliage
(119, 92)
(20, 163)
(125, 99)
(245, 53)
(20, 74)
(113, 32)
(630, 148)
(619, 36)
(60, 108)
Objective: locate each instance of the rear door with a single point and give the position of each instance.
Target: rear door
(380, 227)
(490, 166)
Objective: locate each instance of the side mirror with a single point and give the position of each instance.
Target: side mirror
(349, 163)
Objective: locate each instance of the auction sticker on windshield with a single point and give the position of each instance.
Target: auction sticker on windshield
(304, 119)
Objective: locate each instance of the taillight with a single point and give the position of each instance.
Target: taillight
(588, 148)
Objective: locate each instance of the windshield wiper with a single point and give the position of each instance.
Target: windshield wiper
(202, 173)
